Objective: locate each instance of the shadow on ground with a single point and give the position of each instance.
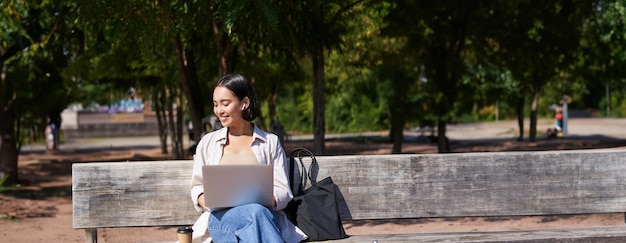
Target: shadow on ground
(426, 145)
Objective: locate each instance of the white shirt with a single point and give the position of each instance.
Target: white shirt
(268, 150)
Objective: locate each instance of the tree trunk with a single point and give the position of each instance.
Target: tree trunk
(520, 118)
(159, 106)
(319, 125)
(8, 145)
(396, 130)
(608, 100)
(19, 137)
(532, 136)
(180, 150)
(276, 126)
(174, 125)
(179, 126)
(224, 47)
(189, 82)
(398, 115)
(272, 103)
(442, 141)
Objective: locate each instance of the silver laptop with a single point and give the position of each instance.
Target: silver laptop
(234, 185)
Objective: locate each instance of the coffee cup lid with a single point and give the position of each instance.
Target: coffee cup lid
(185, 230)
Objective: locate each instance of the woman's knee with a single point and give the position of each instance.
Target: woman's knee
(243, 215)
(255, 209)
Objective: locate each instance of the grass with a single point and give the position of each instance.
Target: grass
(4, 188)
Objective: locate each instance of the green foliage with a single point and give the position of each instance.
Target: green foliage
(603, 56)
(376, 51)
(616, 104)
(295, 112)
(354, 101)
(436, 46)
(4, 188)
(37, 41)
(495, 90)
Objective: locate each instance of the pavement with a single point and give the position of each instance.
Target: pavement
(576, 127)
(496, 130)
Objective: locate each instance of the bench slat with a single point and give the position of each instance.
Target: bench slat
(601, 234)
(479, 184)
(132, 194)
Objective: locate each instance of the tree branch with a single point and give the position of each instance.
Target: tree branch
(342, 10)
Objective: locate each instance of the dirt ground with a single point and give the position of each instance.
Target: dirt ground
(41, 208)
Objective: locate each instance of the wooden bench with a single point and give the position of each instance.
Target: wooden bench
(156, 193)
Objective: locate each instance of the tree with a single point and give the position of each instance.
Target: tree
(37, 41)
(161, 25)
(161, 35)
(315, 27)
(234, 28)
(357, 91)
(438, 39)
(603, 55)
(541, 40)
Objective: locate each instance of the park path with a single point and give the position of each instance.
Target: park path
(577, 128)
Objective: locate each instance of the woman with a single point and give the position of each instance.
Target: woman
(241, 142)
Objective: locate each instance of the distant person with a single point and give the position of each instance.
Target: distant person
(241, 142)
(132, 104)
(54, 124)
(558, 117)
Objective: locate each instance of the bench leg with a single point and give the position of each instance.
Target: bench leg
(91, 235)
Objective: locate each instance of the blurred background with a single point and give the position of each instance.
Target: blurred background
(72, 69)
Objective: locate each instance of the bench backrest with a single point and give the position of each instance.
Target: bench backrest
(120, 194)
(480, 184)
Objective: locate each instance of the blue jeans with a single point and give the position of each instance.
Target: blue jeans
(246, 223)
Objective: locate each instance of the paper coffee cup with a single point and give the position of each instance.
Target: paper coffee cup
(184, 234)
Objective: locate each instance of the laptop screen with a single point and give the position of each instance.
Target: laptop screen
(233, 185)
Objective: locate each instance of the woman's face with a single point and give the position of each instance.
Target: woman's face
(227, 107)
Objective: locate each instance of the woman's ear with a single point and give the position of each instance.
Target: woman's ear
(245, 101)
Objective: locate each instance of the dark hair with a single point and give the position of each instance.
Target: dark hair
(241, 88)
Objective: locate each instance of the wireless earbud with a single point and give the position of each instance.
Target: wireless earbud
(243, 107)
